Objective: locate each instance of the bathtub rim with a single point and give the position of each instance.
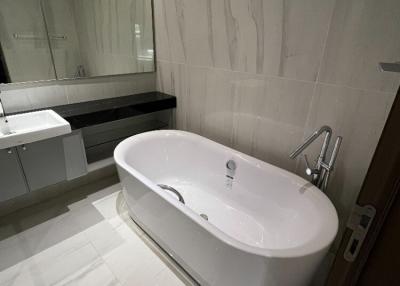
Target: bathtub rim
(310, 247)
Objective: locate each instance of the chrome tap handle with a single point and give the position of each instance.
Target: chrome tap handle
(2, 111)
(335, 152)
(309, 171)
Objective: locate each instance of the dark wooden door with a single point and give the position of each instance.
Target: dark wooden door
(378, 260)
(383, 264)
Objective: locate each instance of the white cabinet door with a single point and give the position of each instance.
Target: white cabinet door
(12, 179)
(43, 162)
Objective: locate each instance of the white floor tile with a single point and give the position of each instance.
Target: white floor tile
(63, 266)
(129, 231)
(49, 268)
(21, 278)
(117, 221)
(111, 205)
(87, 216)
(104, 193)
(91, 241)
(11, 252)
(94, 274)
(134, 263)
(167, 278)
(49, 233)
(104, 237)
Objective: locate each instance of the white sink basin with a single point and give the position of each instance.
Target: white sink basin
(29, 127)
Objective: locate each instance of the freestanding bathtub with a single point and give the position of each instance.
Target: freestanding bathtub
(243, 221)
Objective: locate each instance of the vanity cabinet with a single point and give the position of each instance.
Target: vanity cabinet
(75, 155)
(12, 180)
(40, 164)
(43, 162)
(53, 160)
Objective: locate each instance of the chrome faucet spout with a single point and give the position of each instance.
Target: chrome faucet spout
(2, 111)
(4, 127)
(321, 172)
(311, 139)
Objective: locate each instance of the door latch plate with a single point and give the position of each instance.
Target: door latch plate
(360, 222)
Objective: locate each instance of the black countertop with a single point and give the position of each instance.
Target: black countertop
(94, 112)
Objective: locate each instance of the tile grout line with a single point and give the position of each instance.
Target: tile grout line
(105, 263)
(279, 78)
(317, 79)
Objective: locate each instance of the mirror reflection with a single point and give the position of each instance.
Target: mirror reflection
(58, 39)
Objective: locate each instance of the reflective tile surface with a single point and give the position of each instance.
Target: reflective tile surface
(82, 238)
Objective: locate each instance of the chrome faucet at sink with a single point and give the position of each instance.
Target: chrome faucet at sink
(321, 172)
(4, 128)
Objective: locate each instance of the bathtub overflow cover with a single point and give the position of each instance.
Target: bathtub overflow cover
(204, 216)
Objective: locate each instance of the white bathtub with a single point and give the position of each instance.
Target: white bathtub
(267, 226)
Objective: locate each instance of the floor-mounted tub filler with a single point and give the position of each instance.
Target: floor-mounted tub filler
(225, 217)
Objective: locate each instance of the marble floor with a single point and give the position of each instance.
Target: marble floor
(82, 238)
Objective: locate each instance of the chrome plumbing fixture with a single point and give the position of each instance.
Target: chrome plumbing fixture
(230, 168)
(204, 216)
(172, 190)
(321, 172)
(230, 172)
(4, 128)
(2, 112)
(390, 67)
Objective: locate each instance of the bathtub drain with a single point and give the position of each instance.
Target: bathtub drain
(204, 216)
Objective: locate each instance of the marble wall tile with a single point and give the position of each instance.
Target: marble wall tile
(265, 37)
(273, 37)
(194, 22)
(160, 32)
(247, 94)
(259, 76)
(359, 117)
(33, 97)
(20, 97)
(362, 34)
(171, 79)
(86, 92)
(15, 100)
(51, 95)
(204, 98)
(218, 114)
(258, 115)
(140, 83)
(165, 77)
(304, 26)
(282, 119)
(169, 29)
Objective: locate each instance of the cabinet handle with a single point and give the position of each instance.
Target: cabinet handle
(9, 151)
(24, 147)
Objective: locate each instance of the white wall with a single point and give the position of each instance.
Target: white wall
(261, 75)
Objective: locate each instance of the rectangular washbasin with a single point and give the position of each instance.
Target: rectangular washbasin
(29, 127)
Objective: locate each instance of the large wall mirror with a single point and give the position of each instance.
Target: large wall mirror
(64, 39)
